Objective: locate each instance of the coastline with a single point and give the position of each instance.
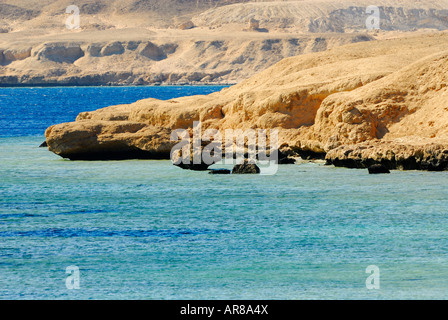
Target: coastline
(117, 84)
(330, 105)
(398, 156)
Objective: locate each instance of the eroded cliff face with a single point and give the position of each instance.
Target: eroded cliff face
(175, 59)
(360, 103)
(395, 154)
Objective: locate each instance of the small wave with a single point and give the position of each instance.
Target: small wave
(29, 215)
(19, 215)
(72, 233)
(78, 212)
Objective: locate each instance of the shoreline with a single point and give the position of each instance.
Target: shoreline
(404, 165)
(63, 85)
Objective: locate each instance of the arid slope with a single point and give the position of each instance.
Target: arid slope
(141, 42)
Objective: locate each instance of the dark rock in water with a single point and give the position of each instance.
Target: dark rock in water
(44, 145)
(190, 161)
(434, 165)
(280, 157)
(189, 164)
(220, 171)
(378, 169)
(246, 168)
(287, 160)
(194, 167)
(310, 155)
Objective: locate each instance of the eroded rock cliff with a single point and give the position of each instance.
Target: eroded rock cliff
(358, 104)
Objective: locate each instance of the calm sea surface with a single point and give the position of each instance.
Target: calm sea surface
(148, 230)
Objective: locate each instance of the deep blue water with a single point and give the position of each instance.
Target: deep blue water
(29, 111)
(149, 230)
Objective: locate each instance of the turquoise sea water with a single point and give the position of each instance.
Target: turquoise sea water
(149, 230)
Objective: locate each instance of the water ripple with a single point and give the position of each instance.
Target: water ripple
(72, 233)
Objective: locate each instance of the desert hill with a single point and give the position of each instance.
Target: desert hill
(141, 42)
(383, 101)
(323, 16)
(305, 16)
(126, 59)
(28, 14)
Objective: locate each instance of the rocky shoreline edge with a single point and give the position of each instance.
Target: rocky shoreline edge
(97, 81)
(391, 156)
(430, 157)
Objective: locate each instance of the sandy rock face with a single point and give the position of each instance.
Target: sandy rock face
(58, 52)
(11, 55)
(360, 104)
(150, 58)
(329, 15)
(186, 25)
(112, 48)
(393, 155)
(100, 140)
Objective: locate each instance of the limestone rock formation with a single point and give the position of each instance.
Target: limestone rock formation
(174, 58)
(410, 155)
(358, 105)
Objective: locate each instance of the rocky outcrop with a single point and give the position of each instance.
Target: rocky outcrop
(246, 168)
(186, 25)
(10, 55)
(153, 52)
(113, 48)
(357, 105)
(392, 155)
(58, 52)
(105, 141)
(194, 167)
(220, 171)
(162, 60)
(378, 169)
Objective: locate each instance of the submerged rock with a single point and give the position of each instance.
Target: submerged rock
(220, 171)
(194, 167)
(188, 162)
(378, 169)
(246, 168)
(287, 160)
(284, 156)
